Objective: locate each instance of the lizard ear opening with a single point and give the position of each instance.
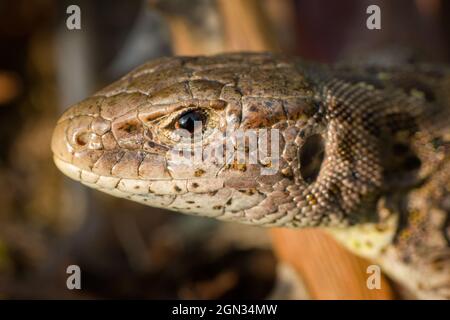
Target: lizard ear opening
(311, 156)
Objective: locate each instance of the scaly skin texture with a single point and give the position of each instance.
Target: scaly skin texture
(364, 151)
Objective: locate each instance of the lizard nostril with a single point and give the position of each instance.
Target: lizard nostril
(87, 140)
(311, 156)
(82, 139)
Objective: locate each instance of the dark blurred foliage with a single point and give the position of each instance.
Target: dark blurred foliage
(328, 30)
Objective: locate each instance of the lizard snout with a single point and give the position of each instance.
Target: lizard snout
(78, 141)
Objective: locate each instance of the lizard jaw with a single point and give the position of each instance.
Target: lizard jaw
(202, 197)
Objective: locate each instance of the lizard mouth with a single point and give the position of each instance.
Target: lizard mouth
(133, 189)
(67, 168)
(204, 197)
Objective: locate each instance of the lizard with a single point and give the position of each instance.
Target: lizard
(363, 151)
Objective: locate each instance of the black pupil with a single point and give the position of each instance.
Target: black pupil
(187, 121)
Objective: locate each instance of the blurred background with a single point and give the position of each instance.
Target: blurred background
(126, 250)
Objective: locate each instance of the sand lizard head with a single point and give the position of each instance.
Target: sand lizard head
(122, 141)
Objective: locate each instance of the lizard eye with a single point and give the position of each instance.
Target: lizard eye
(190, 120)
